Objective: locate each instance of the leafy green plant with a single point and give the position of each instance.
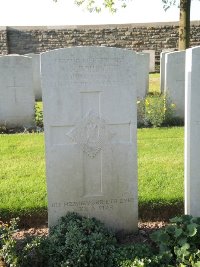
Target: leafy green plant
(141, 119)
(33, 251)
(155, 110)
(80, 241)
(39, 115)
(74, 242)
(133, 255)
(181, 239)
(8, 243)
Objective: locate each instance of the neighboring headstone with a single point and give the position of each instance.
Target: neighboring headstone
(16, 91)
(192, 132)
(162, 71)
(162, 67)
(152, 59)
(174, 85)
(143, 75)
(36, 75)
(90, 121)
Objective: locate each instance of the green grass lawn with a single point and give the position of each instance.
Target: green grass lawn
(22, 173)
(160, 172)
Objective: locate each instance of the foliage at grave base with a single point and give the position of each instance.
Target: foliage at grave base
(75, 241)
(8, 243)
(80, 241)
(157, 110)
(181, 240)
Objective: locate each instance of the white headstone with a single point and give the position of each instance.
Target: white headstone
(192, 132)
(152, 59)
(162, 67)
(89, 97)
(143, 75)
(174, 85)
(36, 75)
(162, 71)
(16, 91)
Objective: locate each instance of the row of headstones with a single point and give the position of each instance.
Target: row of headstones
(89, 97)
(180, 80)
(20, 86)
(146, 65)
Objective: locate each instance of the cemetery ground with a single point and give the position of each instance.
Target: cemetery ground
(160, 185)
(160, 172)
(23, 170)
(160, 175)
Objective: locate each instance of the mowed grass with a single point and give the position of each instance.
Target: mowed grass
(160, 171)
(22, 174)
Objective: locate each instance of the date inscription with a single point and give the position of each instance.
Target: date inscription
(92, 205)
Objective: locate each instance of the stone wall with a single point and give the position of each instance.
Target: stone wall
(156, 36)
(3, 41)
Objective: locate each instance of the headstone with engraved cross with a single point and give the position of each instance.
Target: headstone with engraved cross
(16, 91)
(89, 98)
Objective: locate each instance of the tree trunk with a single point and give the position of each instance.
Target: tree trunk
(2, 263)
(184, 24)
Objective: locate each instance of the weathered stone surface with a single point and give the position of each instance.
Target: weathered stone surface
(192, 132)
(16, 91)
(89, 96)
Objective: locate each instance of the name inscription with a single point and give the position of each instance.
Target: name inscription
(92, 205)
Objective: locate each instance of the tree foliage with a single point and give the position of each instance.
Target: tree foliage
(168, 3)
(97, 5)
(113, 5)
(184, 20)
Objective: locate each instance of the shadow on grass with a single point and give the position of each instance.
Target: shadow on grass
(160, 211)
(153, 211)
(28, 218)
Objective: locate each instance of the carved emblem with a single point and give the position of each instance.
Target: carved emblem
(91, 133)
